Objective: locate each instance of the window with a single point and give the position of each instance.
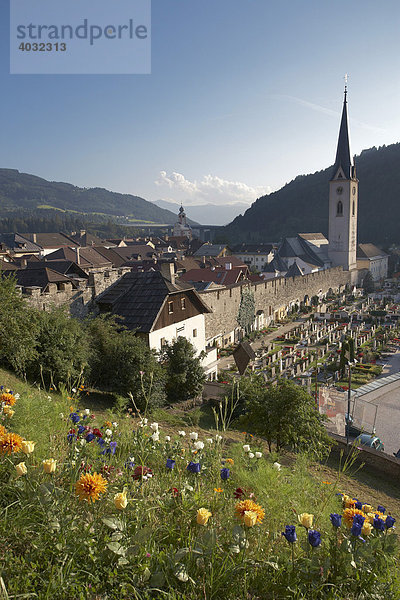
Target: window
(162, 342)
(354, 208)
(194, 333)
(339, 209)
(170, 308)
(183, 303)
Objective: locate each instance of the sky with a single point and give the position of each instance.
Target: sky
(243, 96)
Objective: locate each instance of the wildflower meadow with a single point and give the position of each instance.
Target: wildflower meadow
(111, 506)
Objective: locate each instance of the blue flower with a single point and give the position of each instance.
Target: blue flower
(359, 519)
(358, 505)
(81, 429)
(378, 523)
(356, 529)
(390, 521)
(336, 519)
(225, 474)
(100, 442)
(170, 463)
(290, 533)
(90, 437)
(381, 509)
(314, 537)
(113, 447)
(194, 467)
(70, 437)
(75, 418)
(130, 464)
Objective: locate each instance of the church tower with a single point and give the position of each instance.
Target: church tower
(343, 202)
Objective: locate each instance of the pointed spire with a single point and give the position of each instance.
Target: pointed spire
(343, 156)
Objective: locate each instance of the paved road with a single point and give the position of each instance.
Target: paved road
(388, 400)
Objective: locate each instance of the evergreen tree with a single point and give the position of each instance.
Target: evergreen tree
(184, 373)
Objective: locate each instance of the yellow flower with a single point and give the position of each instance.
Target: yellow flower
(250, 518)
(9, 412)
(21, 469)
(108, 424)
(10, 442)
(249, 506)
(219, 490)
(49, 465)
(90, 486)
(348, 502)
(120, 500)
(3, 430)
(306, 520)
(230, 461)
(202, 516)
(349, 514)
(28, 447)
(367, 528)
(8, 399)
(367, 508)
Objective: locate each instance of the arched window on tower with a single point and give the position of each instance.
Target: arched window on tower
(354, 209)
(339, 209)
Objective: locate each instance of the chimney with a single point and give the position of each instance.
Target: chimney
(168, 271)
(228, 266)
(34, 238)
(82, 232)
(204, 260)
(78, 257)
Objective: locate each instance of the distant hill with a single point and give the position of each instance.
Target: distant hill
(302, 204)
(20, 190)
(208, 214)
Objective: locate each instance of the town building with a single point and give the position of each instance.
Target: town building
(373, 259)
(255, 256)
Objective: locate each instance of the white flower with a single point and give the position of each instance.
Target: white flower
(258, 454)
(48, 397)
(108, 433)
(198, 445)
(187, 487)
(149, 476)
(61, 415)
(82, 441)
(73, 462)
(154, 426)
(277, 466)
(182, 433)
(17, 396)
(145, 421)
(209, 440)
(115, 424)
(144, 478)
(251, 455)
(218, 438)
(156, 436)
(246, 448)
(74, 390)
(194, 435)
(86, 412)
(167, 438)
(131, 459)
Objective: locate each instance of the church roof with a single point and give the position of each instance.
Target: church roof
(343, 156)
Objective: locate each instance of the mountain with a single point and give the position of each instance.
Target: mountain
(302, 205)
(208, 214)
(20, 190)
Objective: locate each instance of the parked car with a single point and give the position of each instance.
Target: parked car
(370, 441)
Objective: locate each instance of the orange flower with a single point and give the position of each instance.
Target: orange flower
(10, 442)
(230, 461)
(108, 424)
(90, 486)
(349, 513)
(3, 430)
(248, 505)
(8, 399)
(327, 482)
(219, 490)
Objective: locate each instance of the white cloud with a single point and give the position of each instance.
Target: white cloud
(210, 189)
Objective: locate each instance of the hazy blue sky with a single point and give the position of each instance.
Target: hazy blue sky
(244, 95)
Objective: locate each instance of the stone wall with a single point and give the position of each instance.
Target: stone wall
(273, 297)
(78, 297)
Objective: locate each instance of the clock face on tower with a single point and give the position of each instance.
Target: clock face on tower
(339, 190)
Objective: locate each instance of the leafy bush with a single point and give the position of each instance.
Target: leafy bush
(184, 373)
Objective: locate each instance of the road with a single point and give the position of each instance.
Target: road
(388, 400)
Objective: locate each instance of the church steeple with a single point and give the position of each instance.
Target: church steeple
(343, 160)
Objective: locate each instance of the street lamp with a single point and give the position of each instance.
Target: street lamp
(349, 364)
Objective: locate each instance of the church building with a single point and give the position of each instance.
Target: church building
(181, 227)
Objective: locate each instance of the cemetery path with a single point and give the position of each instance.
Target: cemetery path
(227, 361)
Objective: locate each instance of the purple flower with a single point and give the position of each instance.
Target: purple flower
(381, 509)
(378, 523)
(75, 418)
(336, 519)
(100, 442)
(194, 467)
(390, 521)
(225, 474)
(314, 537)
(290, 533)
(113, 447)
(170, 463)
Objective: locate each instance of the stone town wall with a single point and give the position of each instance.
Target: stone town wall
(80, 299)
(272, 297)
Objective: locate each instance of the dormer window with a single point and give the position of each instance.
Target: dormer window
(170, 308)
(339, 209)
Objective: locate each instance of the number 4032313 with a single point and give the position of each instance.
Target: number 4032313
(43, 47)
